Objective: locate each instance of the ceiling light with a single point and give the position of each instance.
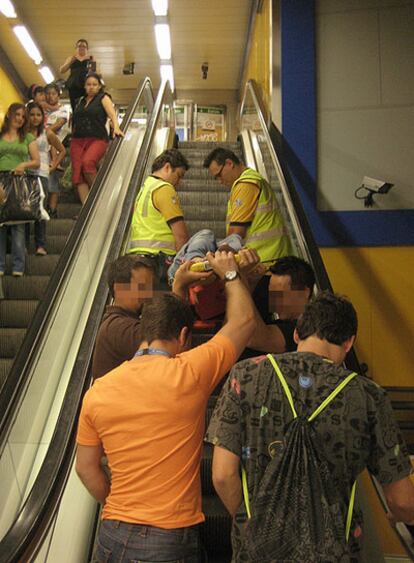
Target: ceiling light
(160, 7)
(167, 73)
(7, 8)
(28, 43)
(47, 74)
(163, 39)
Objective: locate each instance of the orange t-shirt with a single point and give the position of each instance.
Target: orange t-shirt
(149, 416)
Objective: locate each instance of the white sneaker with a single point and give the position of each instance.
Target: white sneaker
(17, 274)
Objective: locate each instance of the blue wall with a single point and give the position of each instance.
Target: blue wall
(330, 228)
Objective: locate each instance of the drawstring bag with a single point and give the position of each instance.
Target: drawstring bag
(297, 515)
(21, 199)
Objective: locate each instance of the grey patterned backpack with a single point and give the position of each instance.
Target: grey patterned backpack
(297, 514)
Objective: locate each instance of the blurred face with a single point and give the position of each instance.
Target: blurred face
(288, 303)
(92, 86)
(35, 117)
(175, 175)
(133, 294)
(39, 97)
(52, 97)
(224, 173)
(81, 49)
(18, 119)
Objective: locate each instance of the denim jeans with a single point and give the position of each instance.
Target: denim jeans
(199, 244)
(120, 542)
(18, 247)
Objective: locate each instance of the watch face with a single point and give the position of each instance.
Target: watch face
(230, 275)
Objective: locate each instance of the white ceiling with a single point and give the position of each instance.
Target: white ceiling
(121, 32)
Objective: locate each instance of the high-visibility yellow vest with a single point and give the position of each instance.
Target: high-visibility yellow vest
(150, 232)
(267, 233)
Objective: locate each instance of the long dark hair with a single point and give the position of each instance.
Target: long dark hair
(97, 77)
(35, 105)
(12, 110)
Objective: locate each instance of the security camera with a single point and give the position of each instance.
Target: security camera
(378, 186)
(204, 70)
(129, 68)
(372, 187)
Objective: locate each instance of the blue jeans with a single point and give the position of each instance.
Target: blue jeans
(18, 247)
(199, 244)
(120, 542)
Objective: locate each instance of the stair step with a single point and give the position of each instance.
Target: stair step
(10, 341)
(37, 265)
(5, 366)
(17, 313)
(26, 287)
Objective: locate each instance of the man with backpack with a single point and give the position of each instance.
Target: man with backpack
(302, 427)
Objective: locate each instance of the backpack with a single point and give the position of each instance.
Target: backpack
(297, 514)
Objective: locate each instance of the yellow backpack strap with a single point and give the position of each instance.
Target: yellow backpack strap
(350, 511)
(246, 492)
(332, 396)
(283, 384)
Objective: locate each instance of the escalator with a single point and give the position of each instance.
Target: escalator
(54, 518)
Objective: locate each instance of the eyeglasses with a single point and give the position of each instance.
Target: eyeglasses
(218, 175)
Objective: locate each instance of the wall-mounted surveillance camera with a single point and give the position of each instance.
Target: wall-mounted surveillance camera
(129, 68)
(371, 187)
(204, 70)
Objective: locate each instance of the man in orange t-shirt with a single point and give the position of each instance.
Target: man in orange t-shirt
(147, 417)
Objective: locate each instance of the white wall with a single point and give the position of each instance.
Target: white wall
(365, 100)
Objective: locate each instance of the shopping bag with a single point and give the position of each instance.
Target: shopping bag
(21, 199)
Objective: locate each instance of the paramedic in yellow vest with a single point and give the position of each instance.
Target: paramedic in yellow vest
(158, 228)
(252, 210)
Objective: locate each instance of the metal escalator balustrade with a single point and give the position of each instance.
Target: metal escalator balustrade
(50, 349)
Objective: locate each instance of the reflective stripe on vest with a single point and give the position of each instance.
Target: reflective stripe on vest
(267, 233)
(150, 232)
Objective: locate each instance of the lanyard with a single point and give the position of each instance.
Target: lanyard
(152, 352)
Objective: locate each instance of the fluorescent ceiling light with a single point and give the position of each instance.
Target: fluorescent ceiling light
(163, 39)
(47, 74)
(7, 8)
(160, 7)
(28, 43)
(167, 73)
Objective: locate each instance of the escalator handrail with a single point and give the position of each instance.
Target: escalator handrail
(274, 141)
(22, 540)
(276, 145)
(13, 389)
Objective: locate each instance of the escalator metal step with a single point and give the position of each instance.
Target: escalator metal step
(17, 313)
(26, 287)
(10, 341)
(5, 366)
(217, 527)
(37, 265)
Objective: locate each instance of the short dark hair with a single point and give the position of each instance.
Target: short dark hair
(34, 89)
(330, 317)
(120, 270)
(300, 272)
(220, 155)
(52, 86)
(82, 41)
(164, 317)
(172, 156)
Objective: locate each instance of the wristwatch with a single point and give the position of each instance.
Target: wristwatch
(231, 275)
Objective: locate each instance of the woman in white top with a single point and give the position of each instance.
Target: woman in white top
(44, 139)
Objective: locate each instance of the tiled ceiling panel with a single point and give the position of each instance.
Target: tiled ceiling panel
(121, 32)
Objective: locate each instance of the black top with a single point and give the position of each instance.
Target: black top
(90, 120)
(77, 76)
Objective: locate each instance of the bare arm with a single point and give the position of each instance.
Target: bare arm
(184, 278)
(110, 112)
(239, 309)
(179, 230)
(89, 469)
(34, 161)
(56, 126)
(59, 155)
(66, 65)
(226, 478)
(267, 338)
(400, 499)
(238, 230)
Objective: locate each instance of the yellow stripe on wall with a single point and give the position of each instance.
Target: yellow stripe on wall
(8, 94)
(380, 283)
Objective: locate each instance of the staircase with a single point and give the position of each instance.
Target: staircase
(204, 203)
(19, 297)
